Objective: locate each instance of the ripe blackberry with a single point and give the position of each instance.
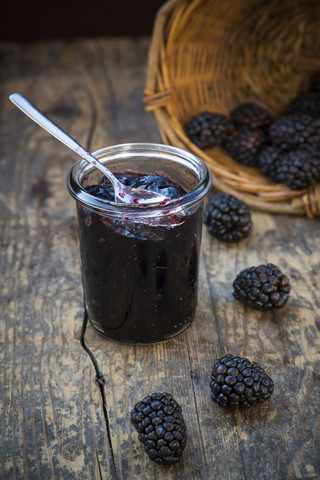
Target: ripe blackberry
(159, 421)
(268, 157)
(306, 102)
(291, 131)
(237, 382)
(263, 287)
(227, 218)
(297, 169)
(244, 145)
(251, 115)
(208, 129)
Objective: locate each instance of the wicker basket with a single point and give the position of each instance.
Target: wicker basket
(214, 55)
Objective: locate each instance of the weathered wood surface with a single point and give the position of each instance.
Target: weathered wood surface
(57, 421)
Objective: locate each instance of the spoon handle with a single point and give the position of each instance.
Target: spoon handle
(37, 116)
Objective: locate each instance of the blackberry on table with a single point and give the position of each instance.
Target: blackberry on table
(227, 218)
(297, 169)
(252, 115)
(236, 382)
(269, 155)
(264, 287)
(244, 145)
(208, 129)
(292, 131)
(159, 421)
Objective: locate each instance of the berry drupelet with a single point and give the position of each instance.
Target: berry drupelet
(263, 287)
(159, 421)
(292, 131)
(208, 129)
(297, 169)
(244, 145)
(252, 115)
(268, 158)
(236, 382)
(227, 218)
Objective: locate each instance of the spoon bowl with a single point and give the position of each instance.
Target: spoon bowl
(122, 193)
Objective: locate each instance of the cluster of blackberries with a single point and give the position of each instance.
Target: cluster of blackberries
(286, 149)
(242, 136)
(235, 383)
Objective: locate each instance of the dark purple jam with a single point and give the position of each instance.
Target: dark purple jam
(154, 183)
(140, 278)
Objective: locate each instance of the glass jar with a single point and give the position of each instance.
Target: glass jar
(140, 263)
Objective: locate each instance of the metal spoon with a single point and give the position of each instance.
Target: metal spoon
(122, 193)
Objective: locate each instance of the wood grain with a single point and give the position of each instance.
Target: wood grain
(53, 409)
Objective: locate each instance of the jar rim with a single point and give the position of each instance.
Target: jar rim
(82, 167)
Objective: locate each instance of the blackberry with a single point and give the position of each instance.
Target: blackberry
(263, 287)
(227, 218)
(159, 421)
(297, 169)
(267, 159)
(306, 102)
(251, 115)
(237, 382)
(208, 129)
(244, 145)
(291, 131)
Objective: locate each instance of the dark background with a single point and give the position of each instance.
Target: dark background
(32, 20)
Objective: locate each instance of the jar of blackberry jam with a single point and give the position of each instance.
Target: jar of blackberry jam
(140, 263)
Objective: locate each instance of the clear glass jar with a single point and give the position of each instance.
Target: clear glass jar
(140, 263)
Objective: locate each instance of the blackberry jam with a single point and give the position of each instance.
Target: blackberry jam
(140, 263)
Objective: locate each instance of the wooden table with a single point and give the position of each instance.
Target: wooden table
(66, 391)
